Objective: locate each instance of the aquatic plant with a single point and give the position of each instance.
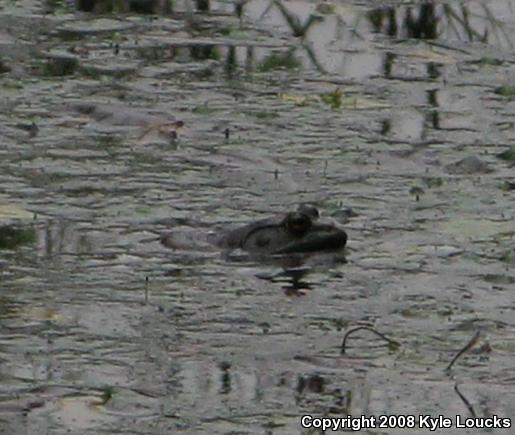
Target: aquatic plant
(277, 60)
(506, 91)
(507, 155)
(12, 236)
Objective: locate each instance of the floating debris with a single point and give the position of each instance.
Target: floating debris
(471, 165)
(416, 191)
(344, 214)
(60, 64)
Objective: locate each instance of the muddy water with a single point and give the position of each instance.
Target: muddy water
(113, 130)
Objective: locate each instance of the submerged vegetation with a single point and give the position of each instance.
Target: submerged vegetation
(12, 236)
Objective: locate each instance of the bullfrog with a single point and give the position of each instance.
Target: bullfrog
(296, 232)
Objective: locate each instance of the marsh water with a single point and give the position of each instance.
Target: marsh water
(116, 126)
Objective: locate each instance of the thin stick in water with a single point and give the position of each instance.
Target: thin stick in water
(465, 401)
(467, 347)
(393, 343)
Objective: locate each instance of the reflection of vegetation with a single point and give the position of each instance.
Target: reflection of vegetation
(433, 70)
(137, 6)
(428, 20)
(506, 91)
(204, 51)
(278, 60)
(311, 54)
(379, 15)
(389, 59)
(508, 155)
(231, 61)
(238, 7)
(298, 29)
(11, 237)
(203, 5)
(424, 26)
(454, 19)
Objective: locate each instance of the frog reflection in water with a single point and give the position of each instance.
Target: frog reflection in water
(297, 232)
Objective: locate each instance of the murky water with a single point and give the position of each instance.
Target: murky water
(117, 128)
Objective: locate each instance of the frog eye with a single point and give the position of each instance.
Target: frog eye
(298, 223)
(309, 210)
